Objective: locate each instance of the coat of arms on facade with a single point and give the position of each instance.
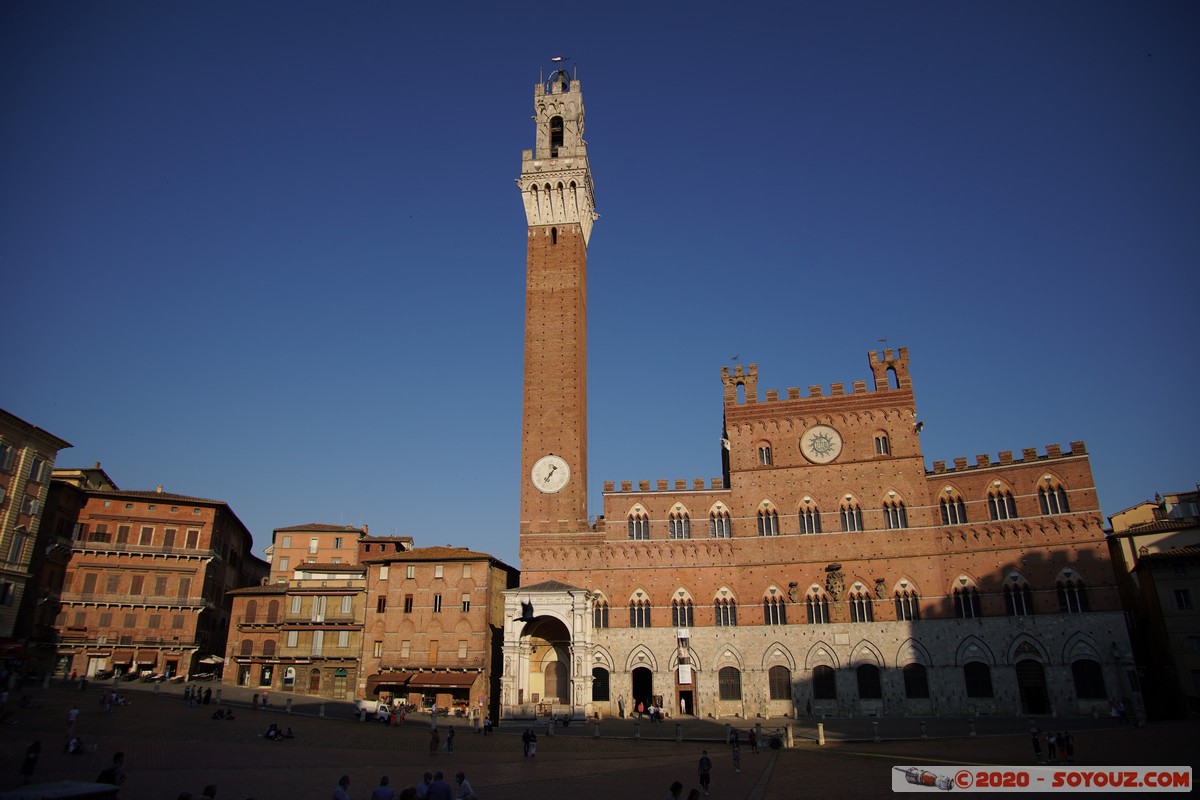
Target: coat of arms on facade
(793, 592)
(879, 588)
(835, 582)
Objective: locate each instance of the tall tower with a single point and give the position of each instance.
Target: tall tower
(556, 185)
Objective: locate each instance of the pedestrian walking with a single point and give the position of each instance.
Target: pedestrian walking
(753, 741)
(29, 763)
(264, 699)
(383, 791)
(450, 740)
(342, 792)
(72, 719)
(705, 767)
(737, 758)
(1052, 747)
(254, 702)
(532, 744)
(1037, 744)
(487, 723)
(525, 742)
(621, 706)
(434, 740)
(808, 708)
(1069, 742)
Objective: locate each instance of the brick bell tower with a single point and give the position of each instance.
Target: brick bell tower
(556, 186)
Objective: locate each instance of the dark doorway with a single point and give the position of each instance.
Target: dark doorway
(1031, 683)
(558, 687)
(687, 703)
(643, 686)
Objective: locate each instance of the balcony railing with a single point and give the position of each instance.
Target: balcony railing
(121, 642)
(132, 547)
(137, 600)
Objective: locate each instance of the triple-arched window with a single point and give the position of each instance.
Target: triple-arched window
(895, 515)
(860, 607)
(639, 526)
(954, 511)
(810, 520)
(679, 525)
(851, 516)
(682, 613)
(639, 613)
(774, 611)
(725, 609)
(768, 522)
(817, 605)
(908, 605)
(1053, 500)
(1001, 504)
(718, 524)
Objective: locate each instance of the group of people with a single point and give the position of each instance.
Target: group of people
(434, 740)
(194, 697)
(529, 743)
(221, 713)
(432, 786)
(275, 734)
(1060, 746)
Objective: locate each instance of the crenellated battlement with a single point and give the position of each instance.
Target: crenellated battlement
(1005, 458)
(664, 485)
(889, 369)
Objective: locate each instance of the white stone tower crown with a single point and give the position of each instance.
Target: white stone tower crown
(556, 182)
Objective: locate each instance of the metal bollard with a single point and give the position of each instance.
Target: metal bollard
(157, 686)
(924, 735)
(596, 731)
(728, 731)
(550, 728)
(287, 706)
(678, 731)
(875, 728)
(758, 733)
(821, 734)
(218, 694)
(321, 712)
(637, 729)
(971, 726)
(788, 740)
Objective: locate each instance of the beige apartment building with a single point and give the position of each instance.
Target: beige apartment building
(27, 455)
(1155, 548)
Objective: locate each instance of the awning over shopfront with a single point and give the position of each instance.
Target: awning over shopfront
(122, 656)
(442, 680)
(392, 679)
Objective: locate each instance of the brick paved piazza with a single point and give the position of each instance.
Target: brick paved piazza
(171, 748)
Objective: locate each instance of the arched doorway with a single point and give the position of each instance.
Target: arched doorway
(558, 687)
(643, 686)
(1031, 683)
(314, 681)
(549, 679)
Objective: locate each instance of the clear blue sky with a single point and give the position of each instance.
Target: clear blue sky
(273, 252)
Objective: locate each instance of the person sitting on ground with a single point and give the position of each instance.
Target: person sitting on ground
(289, 734)
(219, 714)
(115, 773)
(273, 732)
(464, 791)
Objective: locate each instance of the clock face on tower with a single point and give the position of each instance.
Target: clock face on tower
(821, 444)
(550, 474)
